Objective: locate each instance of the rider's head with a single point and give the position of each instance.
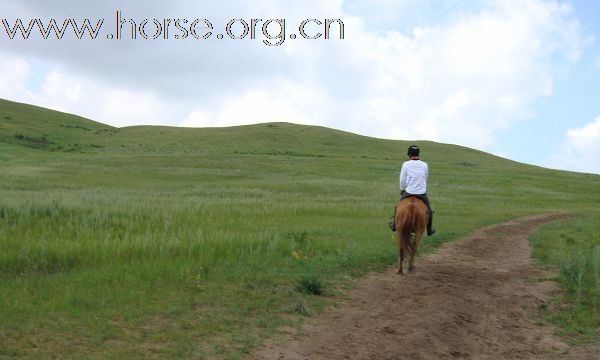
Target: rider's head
(413, 151)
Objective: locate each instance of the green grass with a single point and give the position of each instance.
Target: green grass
(198, 243)
(573, 248)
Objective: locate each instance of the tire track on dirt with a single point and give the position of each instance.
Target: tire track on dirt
(470, 300)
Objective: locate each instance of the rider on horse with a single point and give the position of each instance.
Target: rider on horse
(413, 182)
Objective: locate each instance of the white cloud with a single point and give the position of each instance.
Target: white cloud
(463, 80)
(287, 102)
(125, 108)
(580, 149)
(81, 95)
(457, 80)
(14, 75)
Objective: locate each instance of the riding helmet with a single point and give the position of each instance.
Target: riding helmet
(413, 150)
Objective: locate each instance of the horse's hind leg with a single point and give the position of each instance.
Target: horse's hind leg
(400, 259)
(411, 263)
(412, 269)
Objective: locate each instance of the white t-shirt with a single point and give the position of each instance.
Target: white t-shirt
(413, 177)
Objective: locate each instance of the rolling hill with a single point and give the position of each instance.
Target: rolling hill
(152, 241)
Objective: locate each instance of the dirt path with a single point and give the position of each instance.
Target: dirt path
(471, 300)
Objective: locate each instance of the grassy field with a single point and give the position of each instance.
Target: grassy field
(165, 242)
(573, 247)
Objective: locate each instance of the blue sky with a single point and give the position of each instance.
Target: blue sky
(517, 78)
(574, 103)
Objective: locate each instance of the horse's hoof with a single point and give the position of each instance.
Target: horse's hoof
(399, 272)
(412, 270)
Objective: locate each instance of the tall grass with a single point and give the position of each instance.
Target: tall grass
(161, 263)
(573, 248)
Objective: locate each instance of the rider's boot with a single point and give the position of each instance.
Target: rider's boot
(430, 229)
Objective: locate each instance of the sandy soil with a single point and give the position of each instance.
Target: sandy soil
(474, 299)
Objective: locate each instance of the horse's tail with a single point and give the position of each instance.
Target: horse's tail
(409, 226)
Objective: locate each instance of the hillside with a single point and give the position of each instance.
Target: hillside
(138, 241)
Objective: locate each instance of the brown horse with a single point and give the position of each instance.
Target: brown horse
(411, 220)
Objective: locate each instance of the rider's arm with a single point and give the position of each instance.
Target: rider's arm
(403, 174)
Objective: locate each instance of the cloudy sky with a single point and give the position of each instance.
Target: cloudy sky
(516, 78)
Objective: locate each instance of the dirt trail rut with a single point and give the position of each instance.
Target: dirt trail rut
(471, 300)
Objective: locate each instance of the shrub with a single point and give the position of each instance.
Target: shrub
(310, 285)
